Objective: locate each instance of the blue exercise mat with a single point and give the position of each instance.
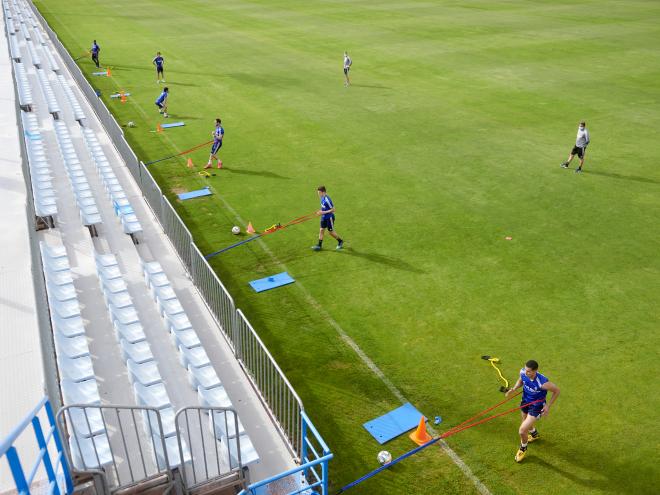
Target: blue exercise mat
(100, 73)
(118, 95)
(394, 423)
(173, 124)
(271, 282)
(195, 194)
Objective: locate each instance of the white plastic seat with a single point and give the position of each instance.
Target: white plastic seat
(158, 280)
(249, 454)
(138, 352)
(164, 293)
(76, 370)
(90, 453)
(69, 327)
(125, 316)
(153, 396)
(64, 292)
(224, 428)
(86, 421)
(167, 417)
(65, 309)
(114, 286)
(109, 272)
(132, 332)
(53, 252)
(148, 267)
(86, 392)
(173, 455)
(105, 260)
(119, 299)
(213, 397)
(145, 373)
(58, 278)
(170, 307)
(204, 377)
(71, 347)
(187, 338)
(195, 357)
(177, 322)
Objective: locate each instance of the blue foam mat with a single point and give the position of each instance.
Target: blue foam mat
(272, 282)
(118, 95)
(195, 194)
(100, 73)
(394, 423)
(173, 124)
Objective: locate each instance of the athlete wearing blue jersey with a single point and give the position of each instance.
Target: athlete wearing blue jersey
(159, 61)
(535, 388)
(161, 102)
(96, 49)
(218, 135)
(327, 214)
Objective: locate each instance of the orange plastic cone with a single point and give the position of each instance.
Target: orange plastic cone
(159, 128)
(420, 436)
(190, 163)
(123, 98)
(250, 228)
(108, 72)
(219, 163)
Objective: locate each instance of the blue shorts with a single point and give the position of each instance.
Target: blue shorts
(328, 223)
(159, 105)
(216, 147)
(533, 409)
(159, 68)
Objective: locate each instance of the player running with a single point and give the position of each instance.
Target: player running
(161, 102)
(535, 386)
(95, 53)
(158, 61)
(580, 148)
(347, 67)
(218, 134)
(327, 214)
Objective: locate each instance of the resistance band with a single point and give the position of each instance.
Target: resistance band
(458, 428)
(493, 362)
(179, 154)
(269, 230)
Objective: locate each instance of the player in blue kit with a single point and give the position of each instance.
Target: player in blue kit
(161, 102)
(96, 49)
(327, 214)
(218, 135)
(535, 386)
(158, 61)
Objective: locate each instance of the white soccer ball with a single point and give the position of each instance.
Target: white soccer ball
(131, 124)
(384, 457)
(235, 230)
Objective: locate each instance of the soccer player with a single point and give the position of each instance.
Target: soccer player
(158, 61)
(327, 214)
(580, 148)
(161, 102)
(535, 386)
(217, 134)
(95, 53)
(347, 67)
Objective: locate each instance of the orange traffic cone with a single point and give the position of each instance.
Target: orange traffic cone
(250, 228)
(190, 163)
(159, 128)
(420, 436)
(123, 98)
(108, 72)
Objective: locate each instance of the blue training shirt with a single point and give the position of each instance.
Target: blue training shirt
(162, 97)
(532, 388)
(159, 61)
(326, 205)
(96, 48)
(218, 133)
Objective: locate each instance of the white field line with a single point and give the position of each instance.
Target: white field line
(344, 336)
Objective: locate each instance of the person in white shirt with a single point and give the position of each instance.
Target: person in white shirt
(580, 148)
(347, 67)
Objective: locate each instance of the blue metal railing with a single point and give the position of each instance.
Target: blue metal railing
(54, 467)
(309, 465)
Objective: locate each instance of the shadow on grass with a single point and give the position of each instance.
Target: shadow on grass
(381, 259)
(370, 86)
(614, 175)
(187, 117)
(261, 173)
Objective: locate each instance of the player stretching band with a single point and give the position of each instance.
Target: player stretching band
(535, 386)
(218, 135)
(161, 102)
(327, 214)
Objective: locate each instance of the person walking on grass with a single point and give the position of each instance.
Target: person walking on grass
(95, 53)
(161, 102)
(580, 148)
(347, 67)
(158, 61)
(218, 134)
(327, 214)
(535, 387)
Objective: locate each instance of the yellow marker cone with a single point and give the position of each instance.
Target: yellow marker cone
(420, 436)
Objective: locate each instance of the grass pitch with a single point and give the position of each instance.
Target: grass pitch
(449, 140)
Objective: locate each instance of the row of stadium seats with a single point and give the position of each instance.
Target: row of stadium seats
(49, 94)
(193, 357)
(25, 98)
(77, 110)
(89, 213)
(43, 192)
(120, 203)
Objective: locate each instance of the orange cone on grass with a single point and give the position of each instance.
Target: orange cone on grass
(159, 128)
(108, 72)
(420, 435)
(123, 97)
(250, 228)
(190, 163)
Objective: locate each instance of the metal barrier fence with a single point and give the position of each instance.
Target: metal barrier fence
(57, 469)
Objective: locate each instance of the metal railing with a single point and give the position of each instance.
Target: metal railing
(57, 469)
(124, 444)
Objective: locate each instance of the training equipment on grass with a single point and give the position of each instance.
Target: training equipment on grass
(469, 423)
(272, 282)
(437, 420)
(189, 163)
(235, 230)
(250, 229)
(173, 124)
(394, 423)
(270, 230)
(104, 73)
(119, 95)
(494, 362)
(131, 123)
(185, 152)
(420, 436)
(384, 457)
(195, 194)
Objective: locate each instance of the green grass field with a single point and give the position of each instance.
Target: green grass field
(449, 140)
